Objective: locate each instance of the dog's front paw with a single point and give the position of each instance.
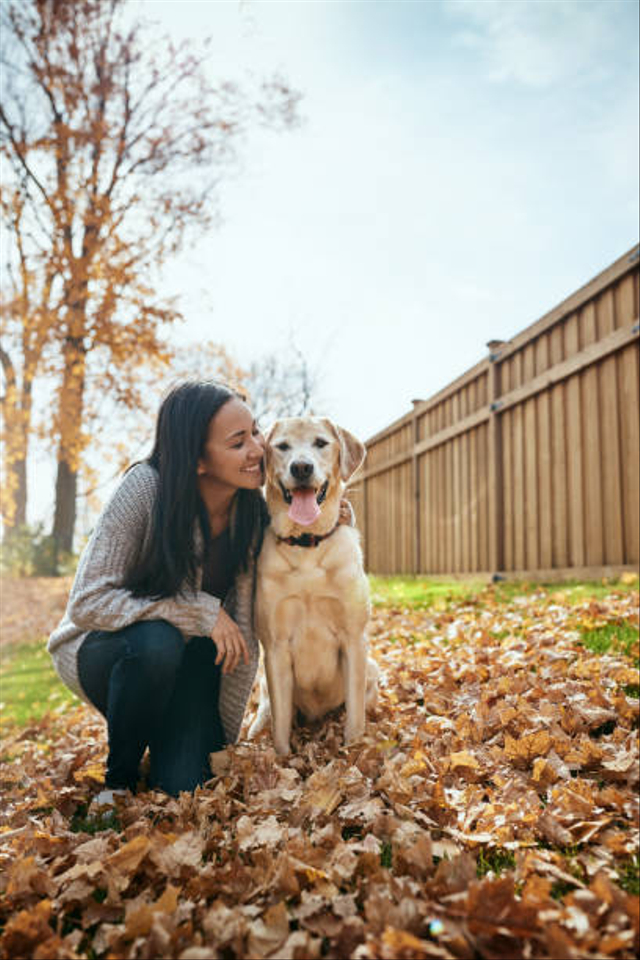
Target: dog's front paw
(352, 734)
(282, 747)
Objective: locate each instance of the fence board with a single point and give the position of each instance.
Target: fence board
(448, 506)
(556, 339)
(456, 477)
(518, 488)
(543, 404)
(592, 455)
(531, 445)
(509, 506)
(424, 513)
(474, 553)
(624, 302)
(589, 325)
(612, 494)
(605, 310)
(630, 441)
(575, 473)
(441, 460)
(560, 505)
(483, 503)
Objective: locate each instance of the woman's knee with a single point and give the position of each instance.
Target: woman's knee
(158, 645)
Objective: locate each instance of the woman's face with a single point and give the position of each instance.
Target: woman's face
(233, 454)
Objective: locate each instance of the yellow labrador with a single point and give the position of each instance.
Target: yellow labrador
(312, 603)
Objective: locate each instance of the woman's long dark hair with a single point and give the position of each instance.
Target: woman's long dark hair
(170, 560)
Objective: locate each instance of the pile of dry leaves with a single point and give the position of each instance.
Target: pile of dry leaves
(491, 811)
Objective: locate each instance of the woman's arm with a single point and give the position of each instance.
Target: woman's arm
(98, 601)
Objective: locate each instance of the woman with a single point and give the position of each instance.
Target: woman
(158, 629)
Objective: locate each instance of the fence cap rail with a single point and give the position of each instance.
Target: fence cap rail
(421, 407)
(626, 263)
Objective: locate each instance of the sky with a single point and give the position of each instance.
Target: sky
(462, 167)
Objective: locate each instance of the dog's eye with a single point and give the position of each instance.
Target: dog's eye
(283, 446)
(320, 443)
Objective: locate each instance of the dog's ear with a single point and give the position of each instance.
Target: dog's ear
(267, 445)
(269, 433)
(352, 452)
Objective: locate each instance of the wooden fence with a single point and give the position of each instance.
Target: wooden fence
(527, 464)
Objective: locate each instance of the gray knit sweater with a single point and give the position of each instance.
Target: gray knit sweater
(98, 600)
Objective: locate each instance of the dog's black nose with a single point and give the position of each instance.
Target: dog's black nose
(301, 469)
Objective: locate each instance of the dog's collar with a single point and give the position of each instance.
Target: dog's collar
(307, 539)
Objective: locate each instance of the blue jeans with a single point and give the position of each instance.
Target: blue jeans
(156, 691)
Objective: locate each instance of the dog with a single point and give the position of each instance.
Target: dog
(312, 596)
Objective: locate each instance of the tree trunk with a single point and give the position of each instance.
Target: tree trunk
(20, 465)
(70, 415)
(20, 472)
(16, 414)
(64, 520)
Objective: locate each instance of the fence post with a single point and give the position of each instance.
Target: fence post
(496, 494)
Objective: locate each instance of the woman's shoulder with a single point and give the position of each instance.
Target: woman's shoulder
(141, 479)
(141, 474)
(136, 491)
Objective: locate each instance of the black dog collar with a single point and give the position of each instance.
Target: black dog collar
(307, 539)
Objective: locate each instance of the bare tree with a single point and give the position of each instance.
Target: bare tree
(282, 384)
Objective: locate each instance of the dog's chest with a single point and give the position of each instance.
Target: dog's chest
(308, 573)
(310, 593)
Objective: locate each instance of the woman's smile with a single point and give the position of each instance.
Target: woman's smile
(254, 468)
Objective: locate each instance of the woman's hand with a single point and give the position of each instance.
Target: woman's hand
(230, 643)
(346, 514)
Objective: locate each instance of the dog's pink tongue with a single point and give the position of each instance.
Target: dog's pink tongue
(303, 509)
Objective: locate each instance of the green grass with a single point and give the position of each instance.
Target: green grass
(629, 875)
(614, 637)
(496, 861)
(560, 888)
(386, 855)
(29, 686)
(422, 592)
(577, 591)
(85, 822)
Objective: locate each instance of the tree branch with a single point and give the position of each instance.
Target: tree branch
(9, 373)
(18, 153)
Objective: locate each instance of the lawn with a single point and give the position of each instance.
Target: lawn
(490, 810)
(29, 686)
(423, 592)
